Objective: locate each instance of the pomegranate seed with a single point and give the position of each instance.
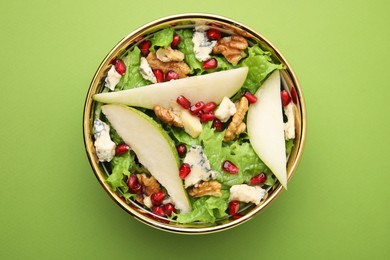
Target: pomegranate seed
(133, 184)
(120, 67)
(144, 47)
(217, 124)
(229, 167)
(175, 41)
(121, 149)
(195, 109)
(209, 107)
(138, 39)
(286, 99)
(158, 211)
(159, 75)
(258, 179)
(237, 216)
(171, 75)
(181, 150)
(206, 117)
(184, 170)
(213, 34)
(168, 209)
(157, 198)
(233, 207)
(294, 95)
(113, 61)
(210, 64)
(251, 98)
(182, 101)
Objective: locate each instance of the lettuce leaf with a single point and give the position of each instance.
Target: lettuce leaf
(206, 209)
(132, 78)
(120, 168)
(162, 38)
(239, 152)
(187, 47)
(260, 66)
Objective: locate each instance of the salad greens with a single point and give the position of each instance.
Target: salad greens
(207, 208)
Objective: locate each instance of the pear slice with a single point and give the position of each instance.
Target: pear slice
(154, 148)
(266, 129)
(206, 88)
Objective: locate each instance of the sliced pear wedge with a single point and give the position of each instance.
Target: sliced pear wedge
(266, 129)
(209, 87)
(154, 148)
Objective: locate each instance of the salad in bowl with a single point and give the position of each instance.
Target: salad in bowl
(194, 123)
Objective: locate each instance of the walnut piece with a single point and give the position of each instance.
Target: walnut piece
(169, 54)
(232, 47)
(167, 116)
(180, 67)
(210, 188)
(150, 184)
(237, 126)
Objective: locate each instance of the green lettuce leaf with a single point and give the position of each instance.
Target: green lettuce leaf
(239, 152)
(162, 38)
(206, 209)
(132, 78)
(187, 47)
(120, 168)
(260, 66)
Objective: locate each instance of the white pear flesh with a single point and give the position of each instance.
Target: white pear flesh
(154, 148)
(266, 128)
(209, 87)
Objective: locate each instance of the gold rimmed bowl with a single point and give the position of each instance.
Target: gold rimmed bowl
(227, 26)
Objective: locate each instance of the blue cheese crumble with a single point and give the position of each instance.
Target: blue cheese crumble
(105, 147)
(200, 166)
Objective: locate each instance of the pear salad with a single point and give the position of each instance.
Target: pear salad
(194, 124)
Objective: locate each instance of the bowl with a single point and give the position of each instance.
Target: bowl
(189, 20)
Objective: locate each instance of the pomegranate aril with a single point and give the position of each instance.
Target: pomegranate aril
(206, 117)
(251, 98)
(229, 167)
(213, 34)
(258, 179)
(294, 95)
(210, 64)
(168, 209)
(175, 41)
(113, 61)
(158, 211)
(171, 75)
(184, 170)
(217, 124)
(233, 207)
(237, 216)
(121, 149)
(120, 67)
(286, 99)
(157, 198)
(209, 107)
(195, 109)
(144, 47)
(133, 183)
(181, 150)
(183, 102)
(159, 75)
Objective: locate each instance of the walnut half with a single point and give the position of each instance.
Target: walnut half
(237, 126)
(232, 47)
(167, 116)
(211, 188)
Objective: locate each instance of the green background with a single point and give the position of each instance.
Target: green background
(337, 205)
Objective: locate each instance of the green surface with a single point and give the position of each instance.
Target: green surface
(337, 205)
